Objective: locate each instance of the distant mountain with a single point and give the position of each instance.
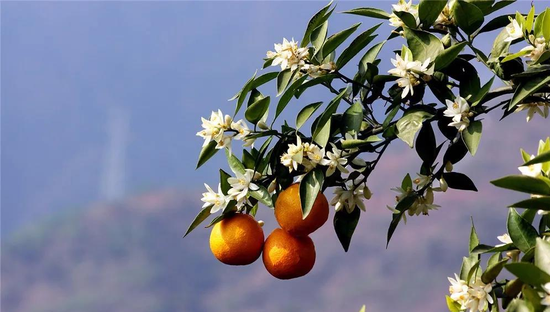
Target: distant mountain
(129, 256)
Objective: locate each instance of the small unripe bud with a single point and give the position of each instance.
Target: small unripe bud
(446, 40)
(448, 166)
(261, 223)
(367, 193)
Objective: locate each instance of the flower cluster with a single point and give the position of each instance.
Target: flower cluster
(403, 6)
(540, 107)
(474, 298)
(410, 72)
(445, 18)
(315, 71)
(536, 48)
(351, 196)
(241, 185)
(310, 155)
(288, 55)
(222, 129)
(459, 111)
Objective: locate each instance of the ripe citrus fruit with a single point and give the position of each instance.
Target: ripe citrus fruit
(288, 212)
(286, 256)
(237, 240)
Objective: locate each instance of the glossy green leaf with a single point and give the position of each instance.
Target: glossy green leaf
(544, 157)
(530, 20)
(472, 135)
(536, 203)
(423, 44)
(283, 79)
(447, 56)
(459, 181)
(515, 55)
(261, 80)
(321, 130)
(500, 46)
(313, 82)
(207, 152)
(493, 271)
(317, 19)
(539, 24)
(318, 37)
(337, 39)
(410, 124)
(477, 98)
(407, 18)
(428, 11)
(224, 184)
(263, 196)
(369, 12)
(498, 22)
(353, 117)
(203, 215)
(371, 55)
(527, 88)
(474, 239)
(234, 163)
(256, 110)
(356, 46)
(468, 263)
(353, 143)
(287, 96)
(242, 95)
(426, 144)
(546, 25)
(452, 305)
(306, 113)
(532, 296)
(542, 255)
(403, 205)
(467, 16)
(522, 233)
(345, 224)
(310, 186)
(525, 184)
(529, 273)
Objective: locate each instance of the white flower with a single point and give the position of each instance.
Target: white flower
(217, 200)
(215, 127)
(410, 72)
(294, 155)
(479, 296)
(349, 198)
(540, 108)
(424, 204)
(546, 300)
(334, 161)
(403, 6)
(458, 290)
(241, 128)
(421, 180)
(504, 239)
(445, 18)
(314, 153)
(531, 170)
(514, 31)
(315, 71)
(241, 184)
(536, 49)
(459, 111)
(288, 55)
(443, 186)
(401, 65)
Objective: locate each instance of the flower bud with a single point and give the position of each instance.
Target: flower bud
(359, 162)
(446, 40)
(443, 185)
(262, 125)
(272, 186)
(367, 193)
(448, 166)
(261, 223)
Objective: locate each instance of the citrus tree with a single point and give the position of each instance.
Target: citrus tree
(334, 144)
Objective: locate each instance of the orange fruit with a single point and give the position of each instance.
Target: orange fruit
(237, 240)
(286, 256)
(288, 212)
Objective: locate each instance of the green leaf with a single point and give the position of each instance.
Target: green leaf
(353, 143)
(428, 11)
(406, 183)
(522, 233)
(539, 24)
(483, 249)
(310, 83)
(452, 305)
(310, 186)
(525, 184)
(318, 37)
(283, 79)
(402, 206)
(527, 88)
(224, 185)
(321, 131)
(528, 25)
(459, 181)
(544, 157)
(234, 163)
(529, 273)
(496, 23)
(242, 95)
(500, 46)
(542, 255)
(369, 12)
(256, 110)
(530, 295)
(287, 96)
(345, 224)
(546, 25)
(407, 18)
(203, 214)
(472, 135)
(317, 19)
(261, 80)
(468, 263)
(337, 39)
(537, 203)
(477, 98)
(263, 196)
(353, 117)
(447, 56)
(207, 152)
(371, 55)
(515, 55)
(305, 113)
(410, 124)
(493, 271)
(423, 44)
(474, 239)
(467, 16)
(356, 46)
